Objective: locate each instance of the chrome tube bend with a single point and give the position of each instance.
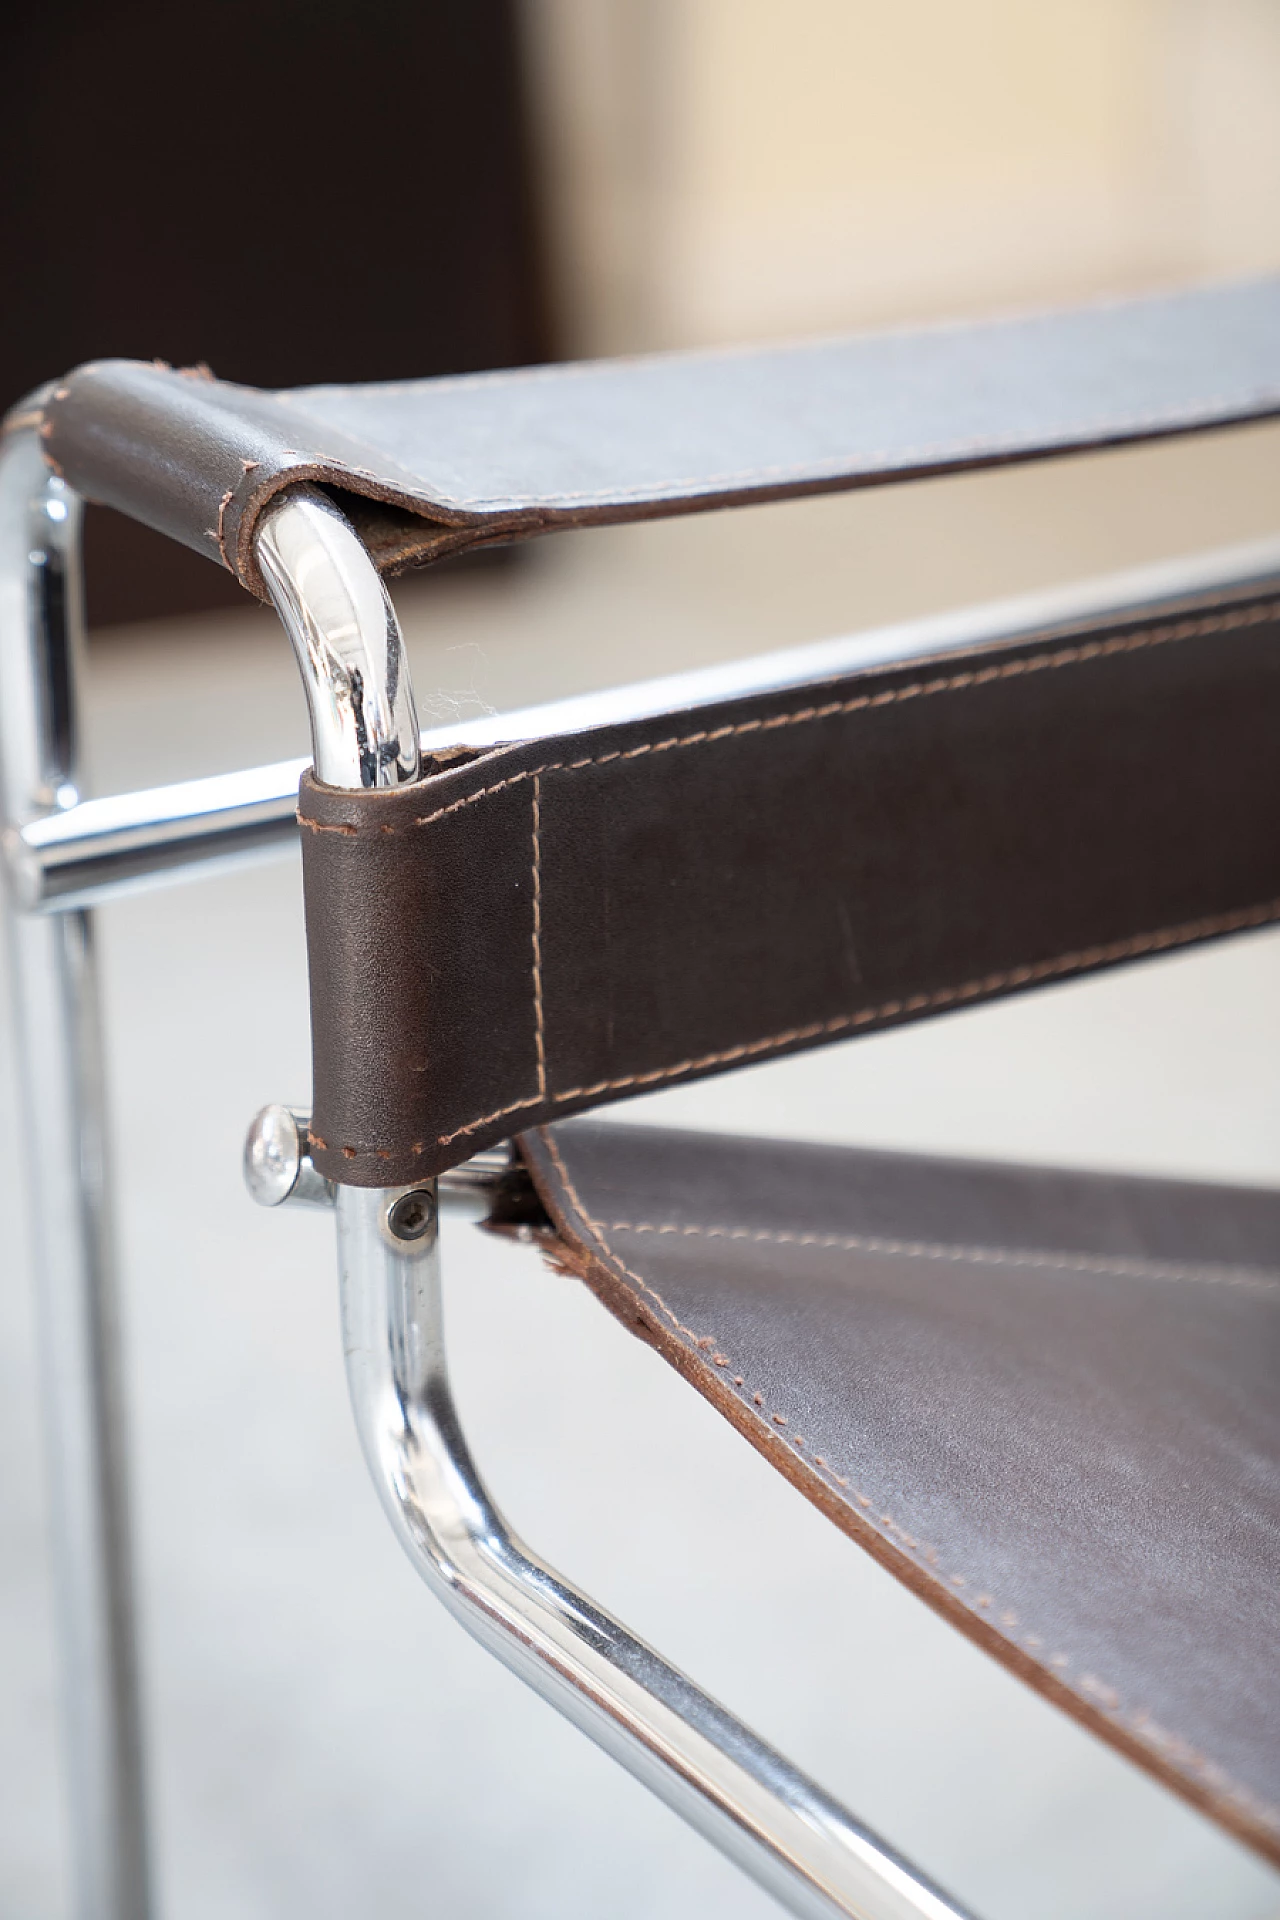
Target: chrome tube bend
(346, 640)
(783, 1829)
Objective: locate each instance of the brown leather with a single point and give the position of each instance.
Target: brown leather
(553, 925)
(429, 466)
(1046, 1401)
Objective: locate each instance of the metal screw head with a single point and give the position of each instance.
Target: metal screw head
(277, 1160)
(272, 1156)
(413, 1215)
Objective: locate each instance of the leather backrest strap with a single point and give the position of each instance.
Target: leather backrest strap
(559, 923)
(430, 466)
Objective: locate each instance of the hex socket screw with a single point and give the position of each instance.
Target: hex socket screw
(413, 1215)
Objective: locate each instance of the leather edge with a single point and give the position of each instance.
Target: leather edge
(575, 1248)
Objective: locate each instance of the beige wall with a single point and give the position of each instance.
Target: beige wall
(727, 169)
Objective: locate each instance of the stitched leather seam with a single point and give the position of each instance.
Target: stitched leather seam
(595, 1228)
(1098, 1692)
(220, 531)
(499, 1113)
(707, 1345)
(917, 1003)
(1253, 1279)
(1066, 963)
(1071, 656)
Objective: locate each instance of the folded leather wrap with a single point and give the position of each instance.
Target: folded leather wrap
(430, 466)
(1046, 1401)
(557, 924)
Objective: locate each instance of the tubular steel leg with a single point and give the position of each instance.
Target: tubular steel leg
(767, 1816)
(56, 1038)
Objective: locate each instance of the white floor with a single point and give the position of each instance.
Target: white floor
(324, 1741)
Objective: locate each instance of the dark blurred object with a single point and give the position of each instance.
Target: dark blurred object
(290, 190)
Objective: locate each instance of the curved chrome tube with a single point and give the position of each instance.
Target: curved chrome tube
(41, 622)
(773, 1821)
(344, 632)
(768, 1817)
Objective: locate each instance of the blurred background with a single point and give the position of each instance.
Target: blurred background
(298, 191)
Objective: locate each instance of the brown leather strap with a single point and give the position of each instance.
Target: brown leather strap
(557, 924)
(429, 466)
(1045, 1401)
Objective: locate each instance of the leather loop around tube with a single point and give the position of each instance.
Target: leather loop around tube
(1046, 1401)
(430, 466)
(557, 924)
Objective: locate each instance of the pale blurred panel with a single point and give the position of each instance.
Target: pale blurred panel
(1231, 91)
(731, 169)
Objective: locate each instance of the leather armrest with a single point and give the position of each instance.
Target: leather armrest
(431, 466)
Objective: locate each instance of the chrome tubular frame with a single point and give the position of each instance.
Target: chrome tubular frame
(346, 640)
(90, 850)
(765, 1815)
(63, 852)
(56, 1040)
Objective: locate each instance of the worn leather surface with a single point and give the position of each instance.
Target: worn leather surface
(557, 924)
(1046, 1401)
(429, 466)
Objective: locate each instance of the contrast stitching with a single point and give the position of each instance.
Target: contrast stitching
(864, 1016)
(486, 1120)
(595, 1229)
(441, 813)
(539, 1020)
(1143, 943)
(915, 1003)
(1255, 1279)
(1075, 655)
(219, 533)
(1137, 1720)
